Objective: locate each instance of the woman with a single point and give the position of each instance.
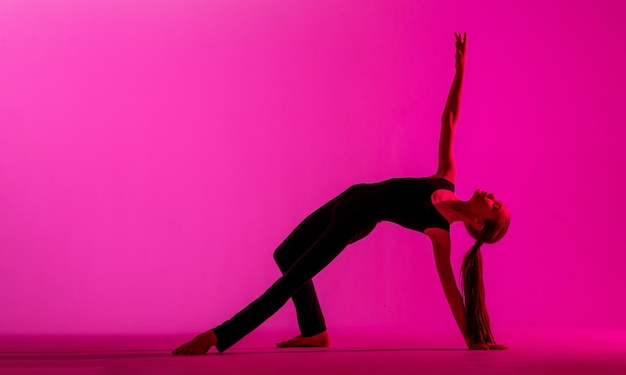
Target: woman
(425, 204)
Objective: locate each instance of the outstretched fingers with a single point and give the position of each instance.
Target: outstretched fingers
(460, 49)
(198, 345)
(181, 350)
(460, 41)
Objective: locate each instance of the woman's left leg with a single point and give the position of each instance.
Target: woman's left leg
(348, 223)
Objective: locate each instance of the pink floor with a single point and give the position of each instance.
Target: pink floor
(598, 352)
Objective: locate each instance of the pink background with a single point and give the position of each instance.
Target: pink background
(154, 153)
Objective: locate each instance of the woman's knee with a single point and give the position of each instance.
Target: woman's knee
(284, 258)
(279, 257)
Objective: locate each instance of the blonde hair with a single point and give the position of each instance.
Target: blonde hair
(493, 230)
(478, 327)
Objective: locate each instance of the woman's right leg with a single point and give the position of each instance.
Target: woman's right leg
(345, 224)
(308, 310)
(310, 318)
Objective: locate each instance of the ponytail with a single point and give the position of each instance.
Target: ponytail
(477, 320)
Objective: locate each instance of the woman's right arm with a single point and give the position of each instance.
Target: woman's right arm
(446, 165)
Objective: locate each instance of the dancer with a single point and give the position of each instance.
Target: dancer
(426, 204)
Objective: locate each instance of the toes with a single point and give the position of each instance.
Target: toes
(285, 344)
(181, 350)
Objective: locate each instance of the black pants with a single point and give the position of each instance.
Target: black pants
(311, 246)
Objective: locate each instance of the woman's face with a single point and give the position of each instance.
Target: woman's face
(486, 206)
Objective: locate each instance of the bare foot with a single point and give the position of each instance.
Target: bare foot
(198, 345)
(318, 341)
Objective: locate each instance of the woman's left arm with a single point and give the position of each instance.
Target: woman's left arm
(441, 247)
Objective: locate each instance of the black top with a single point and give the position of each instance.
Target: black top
(407, 202)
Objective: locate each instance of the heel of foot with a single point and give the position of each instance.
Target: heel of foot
(324, 339)
(318, 341)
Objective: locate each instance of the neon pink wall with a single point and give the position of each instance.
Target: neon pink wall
(153, 154)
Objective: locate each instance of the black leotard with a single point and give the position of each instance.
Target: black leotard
(319, 238)
(404, 201)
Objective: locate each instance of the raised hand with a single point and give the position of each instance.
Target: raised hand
(460, 50)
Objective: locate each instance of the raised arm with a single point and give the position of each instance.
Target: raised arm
(446, 165)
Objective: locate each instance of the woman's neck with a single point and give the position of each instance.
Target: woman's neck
(454, 210)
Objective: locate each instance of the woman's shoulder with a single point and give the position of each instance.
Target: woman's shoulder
(442, 176)
(441, 182)
(430, 183)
